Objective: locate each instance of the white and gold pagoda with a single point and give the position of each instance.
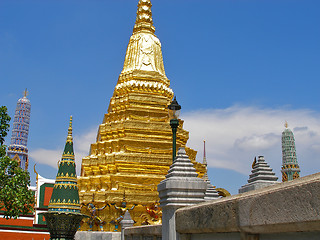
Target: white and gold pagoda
(133, 150)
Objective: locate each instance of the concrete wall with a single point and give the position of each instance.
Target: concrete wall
(289, 210)
(92, 235)
(284, 211)
(151, 232)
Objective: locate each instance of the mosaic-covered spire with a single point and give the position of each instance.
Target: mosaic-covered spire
(18, 147)
(290, 168)
(65, 195)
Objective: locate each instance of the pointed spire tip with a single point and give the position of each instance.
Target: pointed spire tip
(144, 20)
(25, 93)
(69, 138)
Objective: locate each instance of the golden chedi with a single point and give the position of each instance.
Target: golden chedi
(133, 151)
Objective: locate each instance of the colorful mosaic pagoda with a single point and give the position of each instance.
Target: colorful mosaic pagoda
(290, 168)
(133, 151)
(18, 148)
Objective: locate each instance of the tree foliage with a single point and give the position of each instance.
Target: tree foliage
(15, 197)
(4, 123)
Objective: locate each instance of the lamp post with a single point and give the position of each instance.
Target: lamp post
(174, 112)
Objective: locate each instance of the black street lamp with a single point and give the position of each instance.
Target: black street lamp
(174, 112)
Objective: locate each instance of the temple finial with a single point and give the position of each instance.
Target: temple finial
(286, 124)
(254, 162)
(25, 93)
(204, 153)
(205, 176)
(69, 138)
(68, 149)
(144, 20)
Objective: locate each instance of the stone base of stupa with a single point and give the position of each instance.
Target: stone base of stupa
(92, 235)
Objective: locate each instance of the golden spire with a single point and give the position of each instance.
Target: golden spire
(25, 93)
(144, 20)
(69, 138)
(286, 124)
(144, 49)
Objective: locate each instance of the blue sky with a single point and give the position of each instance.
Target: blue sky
(239, 68)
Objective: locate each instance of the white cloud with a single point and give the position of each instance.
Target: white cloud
(81, 145)
(235, 135)
(46, 156)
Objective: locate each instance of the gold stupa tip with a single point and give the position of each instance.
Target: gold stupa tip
(144, 20)
(286, 124)
(70, 130)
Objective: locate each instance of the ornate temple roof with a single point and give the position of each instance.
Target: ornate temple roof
(65, 196)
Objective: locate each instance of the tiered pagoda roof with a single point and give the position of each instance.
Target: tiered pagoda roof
(261, 176)
(65, 196)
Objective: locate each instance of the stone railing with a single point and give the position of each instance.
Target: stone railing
(284, 211)
(289, 210)
(151, 232)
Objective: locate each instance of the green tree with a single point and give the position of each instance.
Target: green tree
(4, 123)
(15, 197)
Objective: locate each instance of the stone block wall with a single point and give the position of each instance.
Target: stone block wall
(284, 211)
(92, 235)
(289, 210)
(151, 232)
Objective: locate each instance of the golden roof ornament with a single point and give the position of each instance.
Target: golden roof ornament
(25, 93)
(286, 124)
(144, 20)
(144, 48)
(69, 137)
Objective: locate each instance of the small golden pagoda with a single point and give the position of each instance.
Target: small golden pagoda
(133, 150)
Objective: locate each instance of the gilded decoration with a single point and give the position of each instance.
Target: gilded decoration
(133, 150)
